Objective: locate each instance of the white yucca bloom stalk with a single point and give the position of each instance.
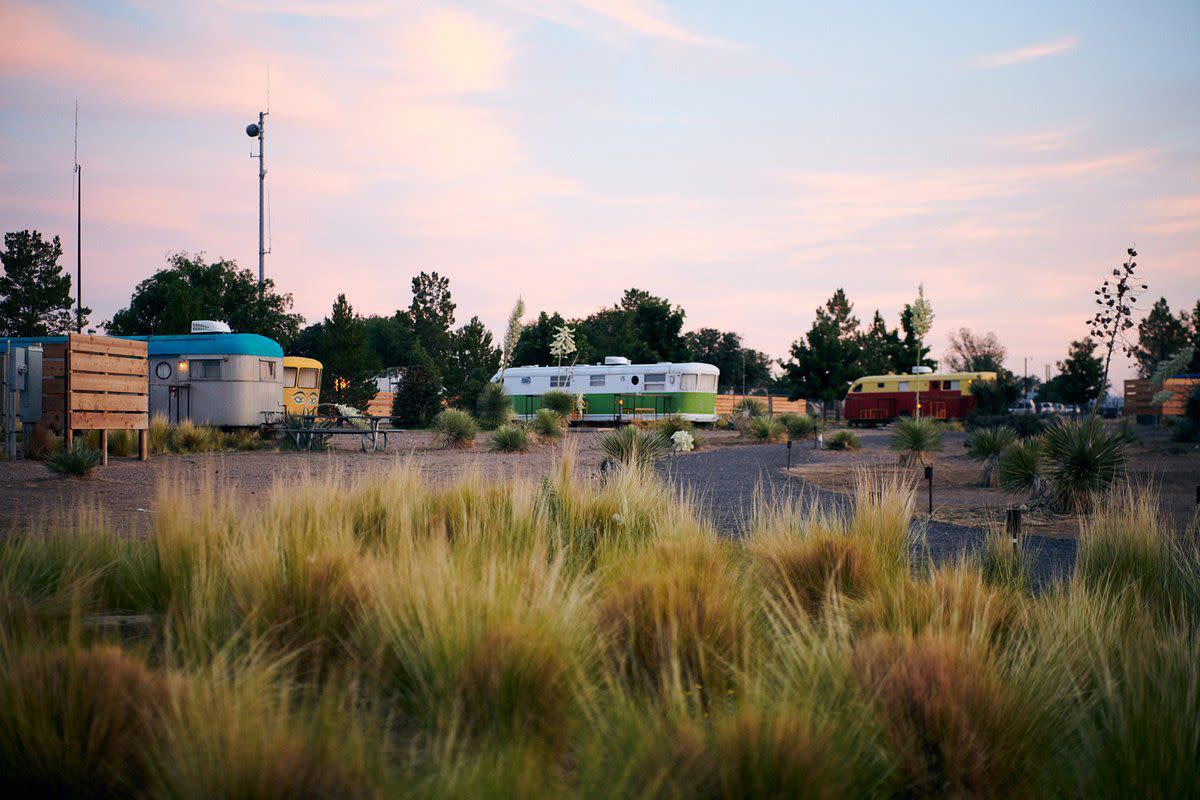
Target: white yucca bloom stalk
(512, 335)
(563, 344)
(922, 321)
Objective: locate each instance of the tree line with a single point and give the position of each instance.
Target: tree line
(439, 360)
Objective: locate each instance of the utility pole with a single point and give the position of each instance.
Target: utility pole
(258, 131)
(78, 230)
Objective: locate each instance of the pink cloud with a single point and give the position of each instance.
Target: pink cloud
(1057, 47)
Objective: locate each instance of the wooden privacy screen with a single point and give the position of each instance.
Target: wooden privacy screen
(96, 383)
(773, 404)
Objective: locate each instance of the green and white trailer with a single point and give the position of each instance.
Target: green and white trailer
(619, 391)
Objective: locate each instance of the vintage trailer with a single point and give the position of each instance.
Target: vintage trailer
(618, 390)
(301, 384)
(210, 377)
(879, 399)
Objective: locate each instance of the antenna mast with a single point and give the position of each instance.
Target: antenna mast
(258, 131)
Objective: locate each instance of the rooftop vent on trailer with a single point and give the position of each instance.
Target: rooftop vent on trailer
(615, 361)
(210, 326)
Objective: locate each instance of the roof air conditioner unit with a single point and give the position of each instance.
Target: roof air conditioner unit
(921, 370)
(209, 326)
(616, 361)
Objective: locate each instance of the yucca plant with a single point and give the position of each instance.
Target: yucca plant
(671, 424)
(842, 440)
(494, 407)
(631, 446)
(1083, 460)
(767, 429)
(986, 445)
(509, 438)
(799, 426)
(454, 428)
(1019, 468)
(77, 462)
(559, 402)
(749, 407)
(548, 424)
(915, 438)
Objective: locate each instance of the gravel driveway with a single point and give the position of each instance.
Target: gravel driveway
(725, 480)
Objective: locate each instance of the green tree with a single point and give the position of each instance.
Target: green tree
(740, 366)
(973, 353)
(533, 348)
(1160, 335)
(472, 363)
(1194, 338)
(880, 349)
(431, 314)
(35, 293)
(1080, 378)
(391, 339)
(341, 344)
(825, 362)
(191, 288)
(641, 327)
(418, 396)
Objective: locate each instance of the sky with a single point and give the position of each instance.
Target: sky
(743, 160)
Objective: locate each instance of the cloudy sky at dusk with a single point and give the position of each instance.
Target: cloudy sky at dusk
(742, 159)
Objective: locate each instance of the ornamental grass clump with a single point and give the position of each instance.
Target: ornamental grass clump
(454, 428)
(915, 438)
(986, 445)
(188, 437)
(560, 402)
(548, 424)
(842, 440)
(509, 438)
(632, 447)
(78, 462)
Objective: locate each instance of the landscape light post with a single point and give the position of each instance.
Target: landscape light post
(1012, 523)
(929, 479)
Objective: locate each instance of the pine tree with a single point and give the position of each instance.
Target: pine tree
(880, 349)
(824, 363)
(472, 363)
(35, 293)
(345, 351)
(1080, 376)
(1160, 335)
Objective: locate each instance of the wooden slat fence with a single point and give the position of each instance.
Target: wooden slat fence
(772, 403)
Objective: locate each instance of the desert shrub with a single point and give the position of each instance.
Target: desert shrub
(548, 424)
(158, 434)
(631, 446)
(188, 437)
(682, 441)
(915, 438)
(986, 445)
(842, 440)
(799, 426)
(242, 439)
(509, 438)
(1184, 430)
(671, 424)
(1020, 465)
(1082, 460)
(77, 722)
(39, 442)
(77, 462)
(560, 402)
(494, 407)
(749, 407)
(454, 428)
(121, 442)
(766, 429)
(995, 397)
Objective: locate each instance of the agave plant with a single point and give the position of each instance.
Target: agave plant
(986, 445)
(767, 429)
(509, 438)
(494, 407)
(1019, 469)
(1083, 460)
(630, 446)
(454, 428)
(77, 462)
(915, 438)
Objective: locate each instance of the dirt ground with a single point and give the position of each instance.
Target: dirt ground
(1172, 469)
(125, 489)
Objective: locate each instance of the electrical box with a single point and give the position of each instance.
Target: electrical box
(23, 382)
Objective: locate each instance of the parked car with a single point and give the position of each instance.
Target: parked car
(1023, 408)
(1045, 408)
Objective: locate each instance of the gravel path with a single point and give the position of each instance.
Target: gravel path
(725, 480)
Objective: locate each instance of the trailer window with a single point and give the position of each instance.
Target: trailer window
(687, 382)
(558, 381)
(204, 368)
(903, 386)
(707, 383)
(936, 385)
(656, 381)
(308, 378)
(879, 386)
(596, 380)
(953, 385)
(527, 379)
(857, 387)
(289, 377)
(266, 370)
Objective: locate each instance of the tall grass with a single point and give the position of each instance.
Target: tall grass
(381, 634)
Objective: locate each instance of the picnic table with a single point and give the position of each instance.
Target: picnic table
(307, 429)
